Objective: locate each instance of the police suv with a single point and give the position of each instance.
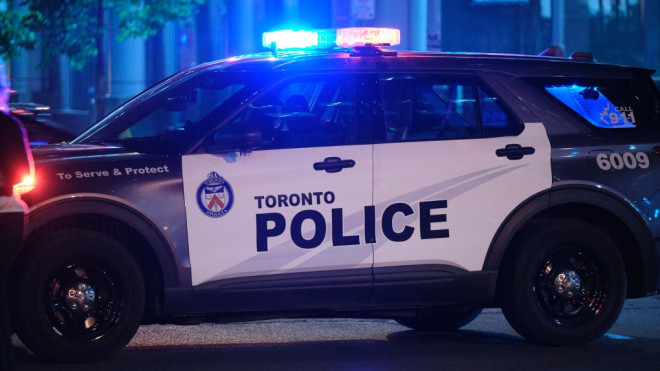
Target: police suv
(350, 181)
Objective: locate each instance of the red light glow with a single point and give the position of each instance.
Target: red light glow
(25, 186)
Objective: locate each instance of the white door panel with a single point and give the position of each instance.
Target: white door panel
(480, 189)
(278, 203)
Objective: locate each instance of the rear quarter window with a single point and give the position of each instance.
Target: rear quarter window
(609, 103)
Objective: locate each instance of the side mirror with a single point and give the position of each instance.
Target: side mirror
(243, 137)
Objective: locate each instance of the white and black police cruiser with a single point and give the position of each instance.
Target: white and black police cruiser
(350, 181)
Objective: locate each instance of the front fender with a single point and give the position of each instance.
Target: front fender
(96, 212)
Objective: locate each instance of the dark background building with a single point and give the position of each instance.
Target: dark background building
(615, 31)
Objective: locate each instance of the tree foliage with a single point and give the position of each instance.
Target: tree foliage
(71, 27)
(145, 18)
(76, 28)
(14, 35)
(66, 28)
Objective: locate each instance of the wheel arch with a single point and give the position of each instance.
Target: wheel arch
(143, 239)
(597, 206)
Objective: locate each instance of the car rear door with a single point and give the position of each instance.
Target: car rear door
(450, 163)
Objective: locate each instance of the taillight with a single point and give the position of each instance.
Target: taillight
(25, 186)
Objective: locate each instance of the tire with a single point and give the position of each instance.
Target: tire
(563, 283)
(439, 320)
(80, 297)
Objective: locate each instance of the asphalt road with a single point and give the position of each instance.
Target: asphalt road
(342, 344)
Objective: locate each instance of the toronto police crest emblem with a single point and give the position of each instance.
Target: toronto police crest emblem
(215, 196)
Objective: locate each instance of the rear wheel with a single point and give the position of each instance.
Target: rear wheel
(563, 283)
(437, 320)
(79, 297)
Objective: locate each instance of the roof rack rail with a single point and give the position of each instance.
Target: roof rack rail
(553, 51)
(558, 51)
(582, 56)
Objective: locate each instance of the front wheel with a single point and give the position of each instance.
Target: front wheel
(79, 297)
(563, 283)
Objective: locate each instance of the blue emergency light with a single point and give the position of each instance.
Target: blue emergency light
(331, 38)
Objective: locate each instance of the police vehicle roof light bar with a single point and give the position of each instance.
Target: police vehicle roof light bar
(361, 36)
(331, 38)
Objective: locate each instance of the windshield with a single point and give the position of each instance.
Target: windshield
(166, 117)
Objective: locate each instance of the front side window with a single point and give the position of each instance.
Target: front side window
(310, 111)
(180, 110)
(438, 108)
(165, 117)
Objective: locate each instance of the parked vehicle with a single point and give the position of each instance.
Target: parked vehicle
(350, 180)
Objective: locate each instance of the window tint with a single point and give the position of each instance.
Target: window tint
(436, 108)
(165, 117)
(495, 122)
(590, 103)
(609, 104)
(304, 112)
(179, 111)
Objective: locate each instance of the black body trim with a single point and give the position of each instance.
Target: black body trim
(291, 291)
(394, 289)
(432, 285)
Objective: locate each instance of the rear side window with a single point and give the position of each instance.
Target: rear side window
(423, 107)
(609, 104)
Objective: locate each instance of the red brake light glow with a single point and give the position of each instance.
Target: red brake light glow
(25, 186)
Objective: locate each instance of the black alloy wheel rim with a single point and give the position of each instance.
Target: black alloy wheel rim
(571, 286)
(83, 301)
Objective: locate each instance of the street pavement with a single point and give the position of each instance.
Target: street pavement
(365, 344)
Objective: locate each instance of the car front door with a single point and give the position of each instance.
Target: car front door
(279, 192)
